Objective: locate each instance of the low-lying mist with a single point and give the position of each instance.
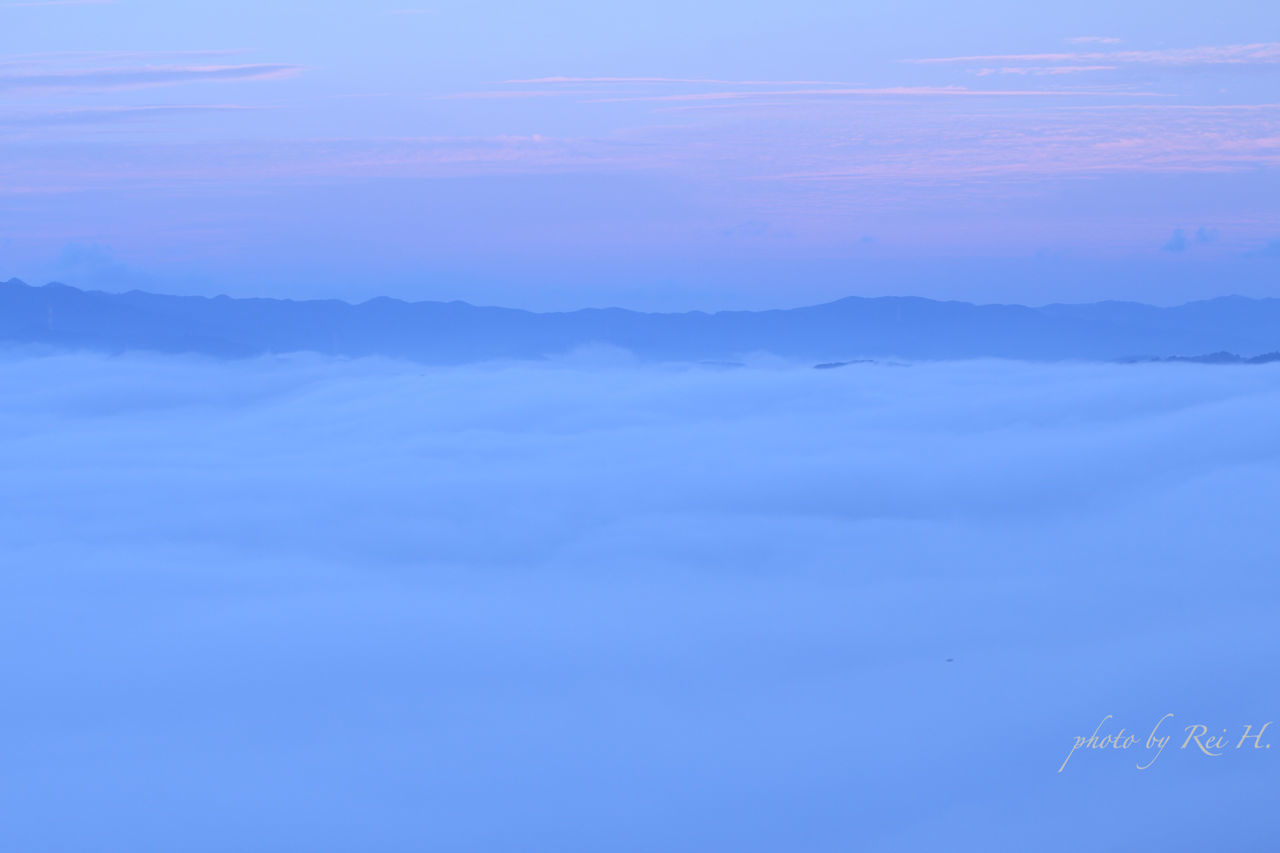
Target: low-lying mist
(588, 605)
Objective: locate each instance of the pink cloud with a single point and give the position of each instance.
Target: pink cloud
(695, 80)
(1231, 54)
(890, 91)
(1043, 70)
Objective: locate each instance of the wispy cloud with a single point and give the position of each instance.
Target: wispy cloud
(778, 95)
(128, 78)
(1199, 108)
(512, 94)
(1051, 142)
(1264, 53)
(115, 55)
(43, 3)
(880, 141)
(695, 80)
(622, 89)
(889, 91)
(165, 165)
(106, 115)
(1093, 40)
(1043, 70)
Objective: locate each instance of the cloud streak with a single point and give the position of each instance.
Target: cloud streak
(142, 77)
(884, 92)
(1262, 53)
(694, 80)
(38, 4)
(1043, 70)
(111, 115)
(46, 58)
(1093, 40)
(873, 140)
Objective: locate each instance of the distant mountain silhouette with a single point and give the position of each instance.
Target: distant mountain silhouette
(456, 332)
(1224, 358)
(832, 365)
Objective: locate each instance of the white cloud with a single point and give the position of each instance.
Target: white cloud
(576, 606)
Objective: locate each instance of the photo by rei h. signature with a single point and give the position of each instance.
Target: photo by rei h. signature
(1196, 737)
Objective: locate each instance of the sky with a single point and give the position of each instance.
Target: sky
(659, 155)
(297, 603)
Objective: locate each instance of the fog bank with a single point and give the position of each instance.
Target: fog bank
(586, 605)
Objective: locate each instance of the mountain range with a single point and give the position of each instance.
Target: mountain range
(60, 316)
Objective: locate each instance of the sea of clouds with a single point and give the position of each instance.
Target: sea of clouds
(589, 605)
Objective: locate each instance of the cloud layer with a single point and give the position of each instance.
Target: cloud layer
(591, 606)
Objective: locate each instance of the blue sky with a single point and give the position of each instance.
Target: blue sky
(659, 155)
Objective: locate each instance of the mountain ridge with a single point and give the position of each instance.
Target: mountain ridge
(845, 329)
